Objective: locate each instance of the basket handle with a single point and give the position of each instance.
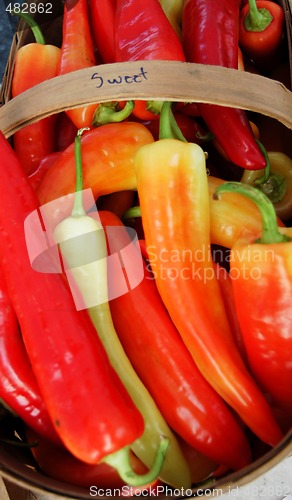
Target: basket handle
(151, 80)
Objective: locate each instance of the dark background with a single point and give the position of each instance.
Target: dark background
(6, 34)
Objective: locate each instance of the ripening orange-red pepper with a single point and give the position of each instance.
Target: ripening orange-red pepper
(77, 52)
(262, 287)
(261, 32)
(174, 200)
(34, 63)
(107, 159)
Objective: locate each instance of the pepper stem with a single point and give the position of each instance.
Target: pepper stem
(257, 19)
(271, 184)
(120, 460)
(267, 170)
(78, 208)
(131, 213)
(109, 113)
(37, 32)
(270, 232)
(168, 127)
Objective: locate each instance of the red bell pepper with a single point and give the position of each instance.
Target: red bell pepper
(210, 36)
(261, 32)
(102, 22)
(77, 52)
(89, 406)
(262, 287)
(188, 403)
(34, 63)
(176, 225)
(18, 386)
(143, 32)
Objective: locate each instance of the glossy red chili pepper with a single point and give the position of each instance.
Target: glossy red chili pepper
(143, 32)
(18, 386)
(77, 52)
(56, 462)
(210, 36)
(189, 404)
(261, 32)
(68, 359)
(262, 287)
(34, 63)
(102, 17)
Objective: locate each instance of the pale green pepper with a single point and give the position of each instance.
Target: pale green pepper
(91, 280)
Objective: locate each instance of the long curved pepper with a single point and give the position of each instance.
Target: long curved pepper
(216, 43)
(174, 200)
(75, 235)
(77, 52)
(79, 386)
(262, 294)
(18, 386)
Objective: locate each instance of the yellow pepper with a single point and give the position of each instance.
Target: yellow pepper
(173, 11)
(277, 185)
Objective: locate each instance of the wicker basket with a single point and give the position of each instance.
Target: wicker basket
(173, 81)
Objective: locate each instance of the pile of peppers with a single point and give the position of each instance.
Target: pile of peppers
(145, 249)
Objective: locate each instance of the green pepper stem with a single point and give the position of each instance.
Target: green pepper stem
(120, 460)
(257, 19)
(37, 32)
(271, 184)
(131, 213)
(78, 207)
(108, 112)
(267, 170)
(270, 231)
(168, 127)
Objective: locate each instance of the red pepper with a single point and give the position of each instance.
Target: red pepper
(102, 16)
(262, 286)
(18, 386)
(261, 32)
(225, 284)
(189, 404)
(192, 129)
(89, 407)
(143, 32)
(56, 462)
(210, 36)
(44, 165)
(65, 132)
(34, 63)
(77, 52)
(174, 199)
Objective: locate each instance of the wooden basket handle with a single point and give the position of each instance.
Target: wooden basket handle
(151, 80)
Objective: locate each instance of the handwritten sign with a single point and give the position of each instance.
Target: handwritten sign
(139, 77)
